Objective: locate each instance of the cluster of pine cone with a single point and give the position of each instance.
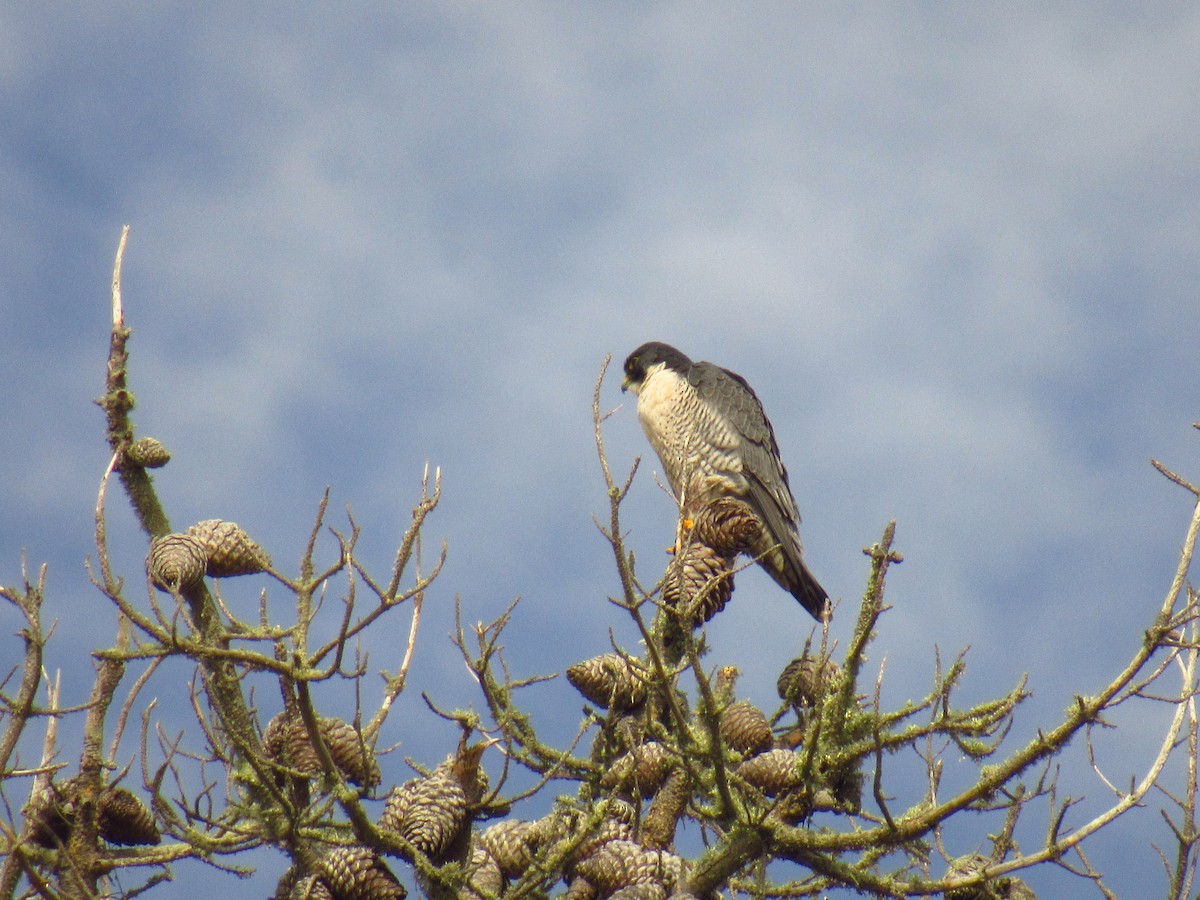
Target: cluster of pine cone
(763, 763)
(121, 817)
(630, 853)
(286, 741)
(433, 814)
(699, 579)
(618, 849)
(639, 767)
(215, 548)
(429, 815)
(343, 873)
(219, 549)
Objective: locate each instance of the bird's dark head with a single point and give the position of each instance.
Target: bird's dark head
(649, 358)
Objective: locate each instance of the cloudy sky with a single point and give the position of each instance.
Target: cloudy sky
(956, 252)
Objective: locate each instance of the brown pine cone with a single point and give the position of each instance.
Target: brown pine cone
(745, 728)
(580, 889)
(970, 864)
(147, 453)
(618, 826)
(274, 736)
(698, 583)
(357, 873)
(353, 758)
(621, 863)
(806, 679)
(646, 890)
(668, 806)
(125, 820)
(512, 844)
(295, 885)
(484, 878)
(52, 813)
(610, 681)
(431, 813)
(642, 769)
(772, 772)
(176, 562)
(727, 526)
(298, 751)
(286, 740)
(121, 818)
(230, 550)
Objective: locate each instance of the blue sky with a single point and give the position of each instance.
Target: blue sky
(954, 249)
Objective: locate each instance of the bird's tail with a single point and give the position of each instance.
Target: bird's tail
(803, 585)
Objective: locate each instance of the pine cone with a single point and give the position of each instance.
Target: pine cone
(745, 728)
(125, 820)
(964, 866)
(121, 818)
(353, 758)
(147, 453)
(806, 679)
(727, 526)
(617, 827)
(627, 731)
(286, 740)
(647, 890)
(512, 844)
(230, 550)
(668, 806)
(484, 878)
(1016, 889)
(698, 583)
(610, 680)
(176, 562)
(294, 885)
(772, 772)
(431, 813)
(580, 889)
(357, 873)
(52, 813)
(274, 736)
(642, 769)
(621, 863)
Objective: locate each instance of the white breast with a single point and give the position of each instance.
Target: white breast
(698, 449)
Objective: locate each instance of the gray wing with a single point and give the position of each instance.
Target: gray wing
(768, 491)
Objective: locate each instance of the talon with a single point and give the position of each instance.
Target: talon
(671, 550)
(688, 524)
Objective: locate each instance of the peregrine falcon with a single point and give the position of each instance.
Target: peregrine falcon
(708, 427)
